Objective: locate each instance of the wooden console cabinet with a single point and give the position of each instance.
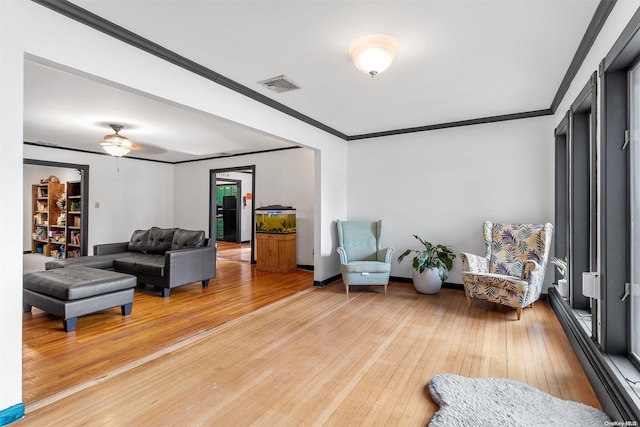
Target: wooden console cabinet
(276, 252)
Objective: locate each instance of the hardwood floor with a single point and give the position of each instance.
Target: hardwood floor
(240, 252)
(259, 348)
(54, 360)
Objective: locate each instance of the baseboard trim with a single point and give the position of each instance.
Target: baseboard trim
(11, 414)
(323, 283)
(448, 285)
(456, 286)
(305, 267)
(401, 279)
(614, 399)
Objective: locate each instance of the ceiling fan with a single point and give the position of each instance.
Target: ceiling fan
(116, 144)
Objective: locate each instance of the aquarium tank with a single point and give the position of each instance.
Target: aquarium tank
(276, 219)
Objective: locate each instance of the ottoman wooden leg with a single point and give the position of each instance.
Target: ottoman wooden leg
(70, 324)
(126, 309)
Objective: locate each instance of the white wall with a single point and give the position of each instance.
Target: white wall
(282, 177)
(11, 83)
(32, 175)
(442, 185)
(138, 196)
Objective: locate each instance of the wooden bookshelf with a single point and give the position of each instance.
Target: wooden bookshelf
(57, 219)
(48, 225)
(74, 219)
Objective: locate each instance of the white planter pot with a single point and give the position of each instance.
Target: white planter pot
(427, 282)
(563, 288)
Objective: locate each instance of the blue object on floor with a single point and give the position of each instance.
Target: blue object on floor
(11, 414)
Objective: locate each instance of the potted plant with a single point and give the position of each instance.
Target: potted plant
(431, 266)
(561, 266)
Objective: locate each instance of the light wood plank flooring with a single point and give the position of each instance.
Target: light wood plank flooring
(312, 357)
(54, 360)
(240, 252)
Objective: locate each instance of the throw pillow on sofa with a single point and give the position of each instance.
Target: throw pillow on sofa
(187, 239)
(139, 241)
(153, 241)
(160, 239)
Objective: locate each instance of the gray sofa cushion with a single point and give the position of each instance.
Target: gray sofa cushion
(187, 239)
(77, 282)
(160, 240)
(152, 265)
(104, 262)
(139, 241)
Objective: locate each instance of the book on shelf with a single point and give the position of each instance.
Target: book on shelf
(75, 238)
(40, 219)
(75, 253)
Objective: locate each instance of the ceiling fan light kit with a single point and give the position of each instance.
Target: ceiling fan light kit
(116, 144)
(374, 53)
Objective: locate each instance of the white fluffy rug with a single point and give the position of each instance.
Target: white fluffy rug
(501, 402)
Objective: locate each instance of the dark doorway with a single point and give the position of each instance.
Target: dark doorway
(231, 209)
(83, 171)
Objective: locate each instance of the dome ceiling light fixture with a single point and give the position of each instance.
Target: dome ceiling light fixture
(116, 144)
(374, 53)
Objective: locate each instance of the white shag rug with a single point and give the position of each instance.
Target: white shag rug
(480, 402)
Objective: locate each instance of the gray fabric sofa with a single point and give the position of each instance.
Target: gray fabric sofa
(161, 257)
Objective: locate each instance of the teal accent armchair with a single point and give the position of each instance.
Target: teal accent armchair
(363, 261)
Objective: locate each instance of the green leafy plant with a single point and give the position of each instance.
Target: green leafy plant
(561, 266)
(433, 256)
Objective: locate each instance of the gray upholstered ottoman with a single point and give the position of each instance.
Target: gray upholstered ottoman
(76, 291)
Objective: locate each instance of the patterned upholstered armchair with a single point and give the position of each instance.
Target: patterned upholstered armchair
(362, 259)
(512, 271)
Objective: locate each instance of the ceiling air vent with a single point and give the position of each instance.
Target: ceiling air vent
(279, 84)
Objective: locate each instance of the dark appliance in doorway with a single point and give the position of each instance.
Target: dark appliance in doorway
(229, 219)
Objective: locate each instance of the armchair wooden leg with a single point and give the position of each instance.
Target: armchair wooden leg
(346, 287)
(469, 301)
(519, 312)
(385, 289)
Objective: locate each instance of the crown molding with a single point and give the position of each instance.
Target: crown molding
(96, 22)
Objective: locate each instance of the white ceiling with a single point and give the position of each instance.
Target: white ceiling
(458, 60)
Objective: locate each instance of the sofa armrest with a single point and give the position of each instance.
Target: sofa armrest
(110, 248)
(473, 263)
(343, 256)
(530, 269)
(190, 265)
(384, 255)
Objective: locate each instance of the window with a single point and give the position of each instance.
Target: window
(576, 198)
(610, 243)
(634, 198)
